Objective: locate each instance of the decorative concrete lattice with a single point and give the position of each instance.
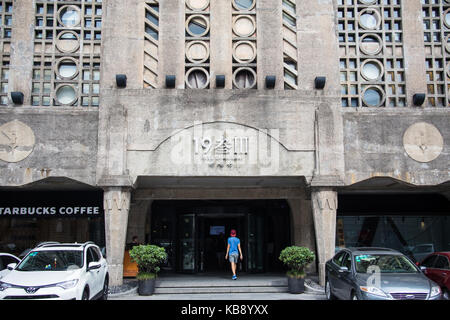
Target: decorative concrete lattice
(372, 69)
(290, 52)
(6, 9)
(244, 44)
(197, 39)
(436, 21)
(151, 44)
(67, 48)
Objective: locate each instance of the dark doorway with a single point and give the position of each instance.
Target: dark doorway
(195, 233)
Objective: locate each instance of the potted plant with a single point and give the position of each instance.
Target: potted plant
(296, 259)
(148, 259)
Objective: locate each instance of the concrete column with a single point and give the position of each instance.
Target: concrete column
(137, 220)
(117, 207)
(302, 226)
(269, 42)
(324, 205)
(414, 49)
(22, 47)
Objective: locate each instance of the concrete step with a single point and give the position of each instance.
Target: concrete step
(220, 284)
(212, 290)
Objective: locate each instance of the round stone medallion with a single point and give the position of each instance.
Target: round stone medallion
(423, 142)
(16, 141)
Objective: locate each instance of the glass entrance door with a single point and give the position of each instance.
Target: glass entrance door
(187, 243)
(255, 234)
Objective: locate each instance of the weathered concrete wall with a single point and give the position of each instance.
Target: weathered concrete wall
(374, 146)
(65, 145)
(154, 124)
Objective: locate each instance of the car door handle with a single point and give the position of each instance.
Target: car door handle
(444, 274)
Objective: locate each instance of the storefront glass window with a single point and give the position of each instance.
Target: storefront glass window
(414, 236)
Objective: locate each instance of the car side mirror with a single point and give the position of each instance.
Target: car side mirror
(94, 266)
(11, 266)
(343, 269)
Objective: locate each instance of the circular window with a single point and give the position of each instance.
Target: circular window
(372, 70)
(69, 16)
(66, 95)
(373, 96)
(198, 5)
(244, 26)
(447, 18)
(197, 51)
(243, 4)
(197, 26)
(368, 1)
(370, 44)
(68, 42)
(370, 19)
(197, 78)
(244, 78)
(244, 51)
(67, 68)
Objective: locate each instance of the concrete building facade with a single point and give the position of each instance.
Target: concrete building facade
(222, 101)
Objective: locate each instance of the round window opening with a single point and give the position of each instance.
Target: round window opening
(67, 69)
(369, 19)
(67, 42)
(243, 4)
(244, 78)
(197, 26)
(373, 97)
(197, 78)
(447, 18)
(69, 16)
(66, 95)
(198, 4)
(244, 26)
(372, 70)
(370, 44)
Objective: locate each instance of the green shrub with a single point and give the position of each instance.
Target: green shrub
(296, 259)
(148, 259)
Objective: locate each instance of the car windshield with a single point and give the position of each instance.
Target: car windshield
(57, 260)
(384, 263)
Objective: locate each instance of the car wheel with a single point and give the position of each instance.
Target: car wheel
(105, 290)
(328, 293)
(85, 295)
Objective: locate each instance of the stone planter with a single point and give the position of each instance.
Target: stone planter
(146, 287)
(296, 285)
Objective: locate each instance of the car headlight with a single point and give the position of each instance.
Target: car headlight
(374, 290)
(67, 284)
(435, 291)
(4, 286)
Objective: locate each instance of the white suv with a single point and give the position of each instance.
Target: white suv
(58, 271)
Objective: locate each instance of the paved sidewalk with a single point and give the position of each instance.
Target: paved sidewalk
(180, 282)
(224, 296)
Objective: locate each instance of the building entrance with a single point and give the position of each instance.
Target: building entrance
(195, 234)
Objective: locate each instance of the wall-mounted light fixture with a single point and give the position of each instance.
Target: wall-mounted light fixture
(319, 82)
(270, 82)
(17, 97)
(121, 80)
(419, 99)
(220, 81)
(170, 81)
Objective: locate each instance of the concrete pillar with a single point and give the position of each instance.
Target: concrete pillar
(302, 226)
(117, 207)
(324, 205)
(137, 220)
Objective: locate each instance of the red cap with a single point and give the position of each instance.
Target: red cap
(233, 233)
